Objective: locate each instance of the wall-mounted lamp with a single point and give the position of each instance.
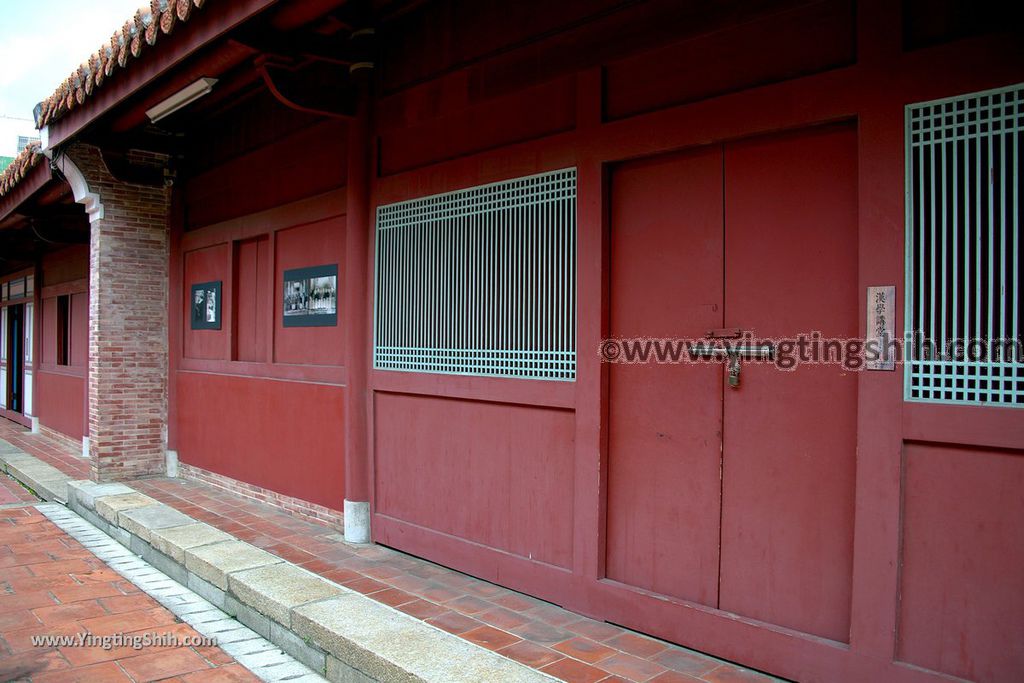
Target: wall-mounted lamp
(181, 99)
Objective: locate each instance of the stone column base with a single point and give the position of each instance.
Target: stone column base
(357, 522)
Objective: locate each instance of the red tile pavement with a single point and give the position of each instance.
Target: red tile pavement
(536, 633)
(12, 493)
(49, 451)
(38, 598)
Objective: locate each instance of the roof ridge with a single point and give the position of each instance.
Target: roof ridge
(127, 43)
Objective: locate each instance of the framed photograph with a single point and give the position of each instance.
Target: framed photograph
(311, 296)
(205, 307)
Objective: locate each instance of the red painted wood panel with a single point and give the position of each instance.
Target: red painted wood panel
(48, 331)
(65, 265)
(542, 110)
(495, 474)
(789, 456)
(800, 41)
(59, 391)
(432, 38)
(297, 165)
(316, 244)
(253, 298)
(79, 356)
(284, 436)
(211, 264)
(78, 333)
(59, 402)
(665, 420)
(962, 581)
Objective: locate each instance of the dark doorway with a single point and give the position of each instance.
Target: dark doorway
(16, 357)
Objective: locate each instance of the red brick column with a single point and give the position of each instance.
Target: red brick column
(128, 279)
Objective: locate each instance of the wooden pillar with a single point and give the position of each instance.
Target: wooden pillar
(356, 314)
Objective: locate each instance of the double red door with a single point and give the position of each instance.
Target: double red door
(737, 498)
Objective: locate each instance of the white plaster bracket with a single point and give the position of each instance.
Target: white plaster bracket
(80, 187)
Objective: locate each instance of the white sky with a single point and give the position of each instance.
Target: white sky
(43, 41)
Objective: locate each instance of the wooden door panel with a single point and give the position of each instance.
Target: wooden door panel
(789, 451)
(664, 424)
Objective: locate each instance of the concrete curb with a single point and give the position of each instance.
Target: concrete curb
(47, 481)
(339, 633)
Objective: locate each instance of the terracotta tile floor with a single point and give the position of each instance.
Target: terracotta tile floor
(538, 634)
(51, 585)
(49, 451)
(13, 493)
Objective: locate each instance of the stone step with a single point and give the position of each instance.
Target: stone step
(338, 632)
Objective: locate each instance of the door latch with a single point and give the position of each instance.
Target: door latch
(733, 354)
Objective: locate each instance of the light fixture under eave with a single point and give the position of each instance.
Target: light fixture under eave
(181, 99)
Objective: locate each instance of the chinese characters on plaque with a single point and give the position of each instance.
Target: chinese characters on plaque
(880, 329)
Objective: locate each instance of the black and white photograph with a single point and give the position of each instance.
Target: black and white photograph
(311, 296)
(206, 306)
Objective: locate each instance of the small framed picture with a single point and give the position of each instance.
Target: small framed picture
(205, 306)
(310, 296)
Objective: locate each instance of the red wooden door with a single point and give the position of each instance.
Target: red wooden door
(736, 498)
(790, 439)
(665, 420)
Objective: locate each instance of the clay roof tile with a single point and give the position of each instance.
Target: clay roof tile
(137, 36)
(19, 168)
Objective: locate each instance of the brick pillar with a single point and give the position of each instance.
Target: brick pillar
(128, 280)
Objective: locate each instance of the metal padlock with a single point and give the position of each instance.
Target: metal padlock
(734, 371)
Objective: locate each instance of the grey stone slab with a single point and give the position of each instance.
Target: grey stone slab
(305, 652)
(138, 546)
(165, 564)
(108, 507)
(90, 516)
(308, 678)
(207, 591)
(119, 535)
(16, 457)
(339, 672)
(387, 645)
(236, 635)
(84, 492)
(280, 672)
(143, 520)
(268, 658)
(274, 590)
(47, 481)
(248, 616)
(247, 647)
(48, 488)
(174, 541)
(214, 562)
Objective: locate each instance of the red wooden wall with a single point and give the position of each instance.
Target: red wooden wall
(254, 400)
(473, 95)
(60, 400)
(508, 479)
